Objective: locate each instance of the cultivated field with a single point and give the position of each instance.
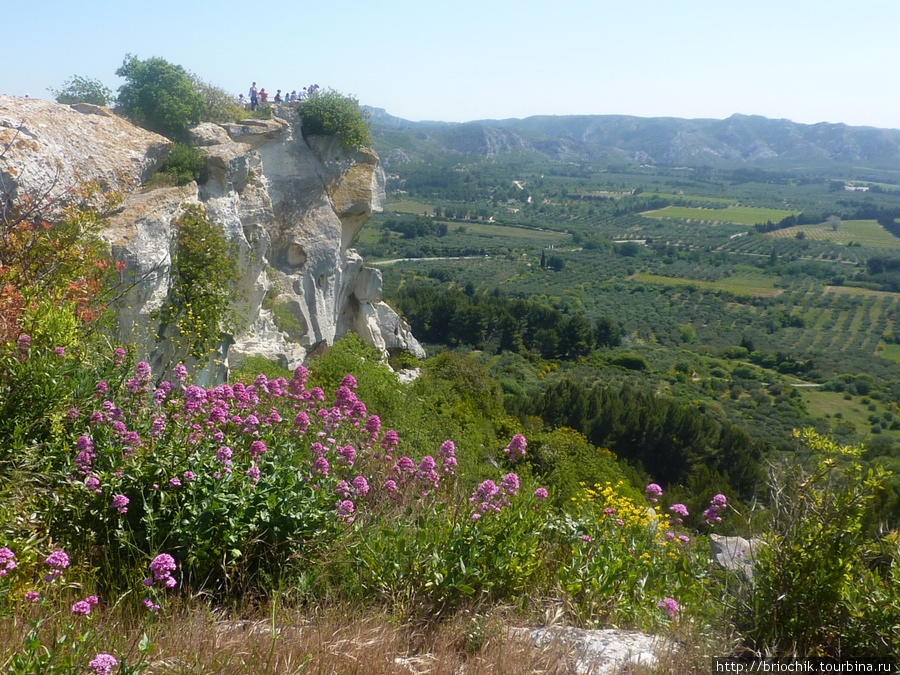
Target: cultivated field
(505, 231)
(863, 232)
(406, 206)
(758, 285)
(739, 215)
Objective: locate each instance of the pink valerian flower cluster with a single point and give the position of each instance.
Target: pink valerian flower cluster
(680, 512)
(103, 664)
(345, 509)
(32, 596)
(7, 560)
(516, 448)
(83, 607)
(426, 471)
(670, 606)
(85, 458)
(541, 494)
(711, 515)
(405, 468)
(250, 411)
(652, 492)
(57, 561)
(447, 453)
(489, 496)
(92, 483)
(120, 503)
(162, 567)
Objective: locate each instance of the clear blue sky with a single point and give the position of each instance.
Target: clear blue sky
(806, 60)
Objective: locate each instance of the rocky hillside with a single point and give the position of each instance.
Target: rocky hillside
(740, 140)
(290, 207)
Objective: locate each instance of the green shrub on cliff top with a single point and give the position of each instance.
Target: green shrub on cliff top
(159, 96)
(330, 113)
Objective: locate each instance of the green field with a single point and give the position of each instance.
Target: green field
(852, 412)
(505, 231)
(405, 206)
(864, 232)
(757, 285)
(891, 353)
(738, 215)
(692, 198)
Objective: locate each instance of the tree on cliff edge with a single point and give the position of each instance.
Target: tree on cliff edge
(159, 96)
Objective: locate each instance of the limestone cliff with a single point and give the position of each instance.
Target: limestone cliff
(290, 207)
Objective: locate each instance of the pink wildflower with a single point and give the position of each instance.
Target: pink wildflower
(516, 448)
(510, 484)
(57, 561)
(81, 608)
(7, 559)
(103, 664)
(361, 486)
(321, 466)
(541, 494)
(162, 566)
(669, 605)
(257, 448)
(345, 509)
(120, 503)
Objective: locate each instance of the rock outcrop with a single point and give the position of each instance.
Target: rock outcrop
(291, 208)
(735, 554)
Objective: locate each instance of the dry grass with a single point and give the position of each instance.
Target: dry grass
(192, 640)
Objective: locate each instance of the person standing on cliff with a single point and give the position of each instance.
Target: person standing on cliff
(254, 97)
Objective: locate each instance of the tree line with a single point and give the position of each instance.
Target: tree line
(454, 317)
(673, 440)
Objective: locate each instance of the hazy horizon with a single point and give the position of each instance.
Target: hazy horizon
(803, 61)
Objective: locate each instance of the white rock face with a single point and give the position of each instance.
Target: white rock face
(290, 207)
(48, 147)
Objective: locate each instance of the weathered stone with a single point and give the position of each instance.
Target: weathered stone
(208, 133)
(600, 652)
(50, 148)
(734, 553)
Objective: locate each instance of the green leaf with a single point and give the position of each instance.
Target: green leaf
(145, 646)
(468, 590)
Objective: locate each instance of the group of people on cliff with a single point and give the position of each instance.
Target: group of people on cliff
(261, 96)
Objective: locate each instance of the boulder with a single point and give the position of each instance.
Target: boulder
(50, 148)
(735, 554)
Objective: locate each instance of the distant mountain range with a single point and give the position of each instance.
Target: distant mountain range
(740, 140)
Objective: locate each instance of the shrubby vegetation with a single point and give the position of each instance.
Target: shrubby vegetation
(79, 89)
(330, 113)
(199, 305)
(183, 165)
(159, 96)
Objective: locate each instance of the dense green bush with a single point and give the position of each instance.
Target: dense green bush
(79, 89)
(158, 96)
(330, 113)
(183, 165)
(199, 305)
(826, 581)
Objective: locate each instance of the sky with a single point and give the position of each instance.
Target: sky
(808, 61)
